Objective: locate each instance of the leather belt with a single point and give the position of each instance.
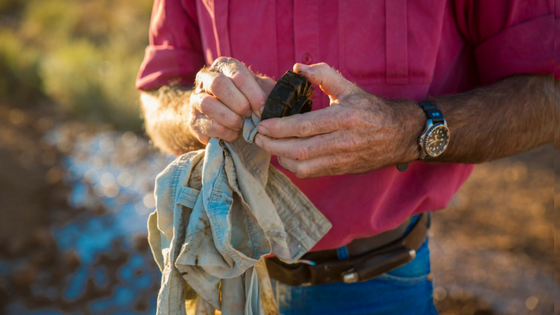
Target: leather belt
(368, 258)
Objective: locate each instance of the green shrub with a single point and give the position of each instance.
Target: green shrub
(19, 79)
(82, 54)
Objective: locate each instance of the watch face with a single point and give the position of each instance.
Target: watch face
(437, 140)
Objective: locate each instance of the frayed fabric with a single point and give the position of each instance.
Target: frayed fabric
(219, 211)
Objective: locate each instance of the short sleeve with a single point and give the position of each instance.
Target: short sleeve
(509, 36)
(174, 54)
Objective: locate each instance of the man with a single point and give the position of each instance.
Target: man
(484, 66)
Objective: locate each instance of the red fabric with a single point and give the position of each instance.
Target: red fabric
(392, 48)
(510, 37)
(557, 39)
(175, 52)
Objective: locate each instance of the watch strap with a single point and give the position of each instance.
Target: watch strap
(431, 111)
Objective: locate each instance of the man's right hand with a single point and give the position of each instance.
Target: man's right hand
(225, 93)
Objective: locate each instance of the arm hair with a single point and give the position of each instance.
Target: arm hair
(167, 114)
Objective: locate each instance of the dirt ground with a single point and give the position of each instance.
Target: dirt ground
(492, 248)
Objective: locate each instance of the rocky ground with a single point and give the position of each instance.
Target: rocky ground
(64, 249)
(493, 247)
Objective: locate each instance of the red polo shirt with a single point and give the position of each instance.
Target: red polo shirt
(392, 48)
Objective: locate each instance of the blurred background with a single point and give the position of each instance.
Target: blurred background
(77, 175)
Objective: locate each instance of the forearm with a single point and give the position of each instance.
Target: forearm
(167, 117)
(506, 118)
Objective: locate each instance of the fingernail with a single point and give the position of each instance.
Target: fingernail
(262, 129)
(301, 67)
(258, 141)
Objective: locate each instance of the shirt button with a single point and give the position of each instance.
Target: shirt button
(307, 59)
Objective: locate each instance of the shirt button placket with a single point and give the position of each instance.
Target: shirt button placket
(306, 30)
(306, 35)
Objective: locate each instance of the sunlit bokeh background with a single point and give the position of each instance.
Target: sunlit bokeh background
(77, 174)
(82, 55)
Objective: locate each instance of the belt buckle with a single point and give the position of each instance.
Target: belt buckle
(350, 276)
(406, 255)
(307, 262)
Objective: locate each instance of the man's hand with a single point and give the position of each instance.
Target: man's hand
(224, 94)
(359, 132)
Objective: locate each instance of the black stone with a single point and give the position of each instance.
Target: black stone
(291, 95)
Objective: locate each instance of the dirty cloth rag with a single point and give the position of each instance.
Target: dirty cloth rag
(219, 211)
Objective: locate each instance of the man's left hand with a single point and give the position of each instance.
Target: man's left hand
(359, 132)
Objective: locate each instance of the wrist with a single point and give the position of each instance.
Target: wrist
(411, 121)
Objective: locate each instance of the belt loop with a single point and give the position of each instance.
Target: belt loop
(342, 253)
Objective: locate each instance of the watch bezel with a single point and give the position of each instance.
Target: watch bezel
(430, 128)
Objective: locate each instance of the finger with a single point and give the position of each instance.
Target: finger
(247, 84)
(304, 125)
(217, 111)
(321, 166)
(223, 88)
(328, 79)
(219, 131)
(244, 80)
(303, 148)
(205, 128)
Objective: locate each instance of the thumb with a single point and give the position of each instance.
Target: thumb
(328, 79)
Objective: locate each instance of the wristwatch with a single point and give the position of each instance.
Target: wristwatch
(435, 138)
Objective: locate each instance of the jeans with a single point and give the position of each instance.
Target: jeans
(405, 290)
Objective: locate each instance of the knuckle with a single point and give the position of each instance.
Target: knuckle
(206, 105)
(244, 107)
(219, 83)
(239, 78)
(304, 128)
(219, 61)
(323, 67)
